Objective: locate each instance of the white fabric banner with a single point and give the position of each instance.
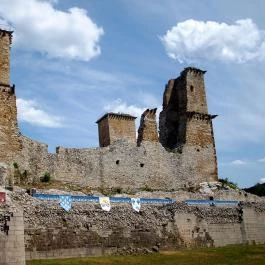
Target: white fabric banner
(136, 204)
(66, 202)
(105, 203)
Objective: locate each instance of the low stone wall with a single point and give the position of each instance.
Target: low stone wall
(51, 232)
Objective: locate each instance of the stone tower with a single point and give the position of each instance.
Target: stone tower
(9, 134)
(185, 124)
(148, 129)
(116, 126)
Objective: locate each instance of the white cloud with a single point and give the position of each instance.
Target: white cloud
(262, 160)
(29, 111)
(42, 28)
(238, 162)
(118, 106)
(262, 180)
(192, 40)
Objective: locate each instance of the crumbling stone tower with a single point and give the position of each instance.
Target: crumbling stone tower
(185, 125)
(148, 129)
(116, 126)
(9, 134)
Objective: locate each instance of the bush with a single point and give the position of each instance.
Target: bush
(227, 183)
(15, 165)
(46, 177)
(24, 175)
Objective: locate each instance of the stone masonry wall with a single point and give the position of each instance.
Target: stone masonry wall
(122, 128)
(5, 42)
(10, 142)
(120, 165)
(196, 96)
(148, 129)
(12, 247)
(103, 133)
(116, 126)
(51, 232)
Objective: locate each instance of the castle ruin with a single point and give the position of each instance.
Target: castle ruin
(182, 155)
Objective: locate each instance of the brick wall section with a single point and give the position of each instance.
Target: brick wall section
(12, 247)
(148, 129)
(113, 127)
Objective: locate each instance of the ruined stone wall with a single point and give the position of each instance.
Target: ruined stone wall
(186, 127)
(10, 142)
(5, 42)
(120, 165)
(9, 132)
(78, 166)
(33, 158)
(50, 232)
(148, 129)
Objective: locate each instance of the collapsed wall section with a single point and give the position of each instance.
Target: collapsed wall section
(148, 129)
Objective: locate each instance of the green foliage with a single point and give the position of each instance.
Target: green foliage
(232, 255)
(15, 165)
(46, 177)
(228, 184)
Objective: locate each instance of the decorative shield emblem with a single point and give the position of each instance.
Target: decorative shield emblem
(136, 204)
(105, 203)
(2, 197)
(66, 202)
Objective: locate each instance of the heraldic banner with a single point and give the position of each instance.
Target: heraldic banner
(66, 202)
(136, 204)
(105, 203)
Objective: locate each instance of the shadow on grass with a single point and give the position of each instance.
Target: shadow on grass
(230, 255)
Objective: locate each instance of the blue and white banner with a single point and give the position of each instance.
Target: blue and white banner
(66, 202)
(136, 204)
(105, 203)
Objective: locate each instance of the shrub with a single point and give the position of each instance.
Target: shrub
(46, 177)
(227, 183)
(24, 175)
(15, 165)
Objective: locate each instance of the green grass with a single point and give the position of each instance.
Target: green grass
(231, 255)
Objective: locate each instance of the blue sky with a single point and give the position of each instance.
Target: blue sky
(74, 60)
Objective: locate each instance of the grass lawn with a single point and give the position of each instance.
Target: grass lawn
(231, 255)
